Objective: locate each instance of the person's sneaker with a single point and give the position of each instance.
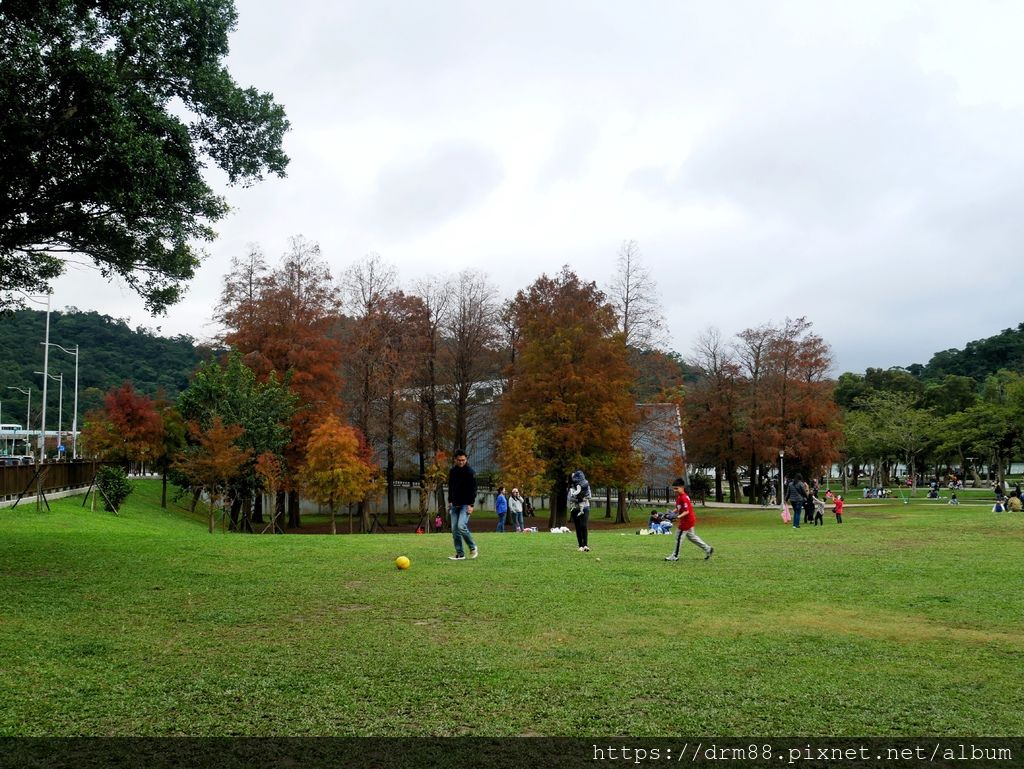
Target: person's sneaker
(585, 549)
(459, 557)
(708, 553)
(671, 557)
(474, 552)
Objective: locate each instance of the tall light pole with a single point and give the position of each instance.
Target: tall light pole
(28, 408)
(782, 476)
(60, 405)
(74, 418)
(46, 371)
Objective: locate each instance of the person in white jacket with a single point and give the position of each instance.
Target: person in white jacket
(515, 507)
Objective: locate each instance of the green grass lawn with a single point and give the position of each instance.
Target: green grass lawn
(905, 620)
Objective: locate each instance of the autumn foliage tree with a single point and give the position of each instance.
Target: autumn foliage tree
(229, 391)
(432, 481)
(403, 341)
(801, 397)
(128, 428)
(337, 468)
(270, 472)
(714, 420)
(572, 384)
(764, 393)
(521, 467)
(285, 321)
(213, 460)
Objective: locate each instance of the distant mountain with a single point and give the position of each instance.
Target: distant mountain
(978, 359)
(109, 354)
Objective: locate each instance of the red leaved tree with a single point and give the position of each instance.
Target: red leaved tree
(128, 428)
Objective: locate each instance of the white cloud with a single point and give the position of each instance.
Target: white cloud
(855, 163)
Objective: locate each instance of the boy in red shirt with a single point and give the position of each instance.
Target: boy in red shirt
(687, 519)
(838, 509)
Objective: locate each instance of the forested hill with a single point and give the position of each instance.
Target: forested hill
(110, 353)
(978, 359)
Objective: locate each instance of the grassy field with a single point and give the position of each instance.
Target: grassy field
(905, 620)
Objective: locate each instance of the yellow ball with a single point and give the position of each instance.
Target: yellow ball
(402, 562)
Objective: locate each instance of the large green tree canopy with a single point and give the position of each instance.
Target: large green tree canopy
(109, 112)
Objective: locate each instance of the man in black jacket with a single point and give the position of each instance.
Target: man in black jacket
(461, 496)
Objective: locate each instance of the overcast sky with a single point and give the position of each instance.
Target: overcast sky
(858, 163)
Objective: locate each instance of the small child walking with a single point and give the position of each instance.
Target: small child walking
(687, 520)
(819, 510)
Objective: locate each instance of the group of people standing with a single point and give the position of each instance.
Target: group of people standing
(462, 497)
(804, 500)
(513, 505)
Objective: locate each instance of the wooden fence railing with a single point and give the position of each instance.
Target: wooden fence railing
(59, 477)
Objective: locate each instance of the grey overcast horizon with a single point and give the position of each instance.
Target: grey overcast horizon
(860, 164)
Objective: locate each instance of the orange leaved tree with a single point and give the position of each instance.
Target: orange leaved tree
(572, 383)
(213, 461)
(521, 467)
(270, 473)
(337, 469)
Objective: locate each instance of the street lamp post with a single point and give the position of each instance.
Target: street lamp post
(46, 371)
(60, 406)
(28, 408)
(74, 418)
(782, 480)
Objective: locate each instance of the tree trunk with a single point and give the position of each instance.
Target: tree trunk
(558, 501)
(294, 515)
(280, 503)
(754, 476)
(608, 502)
(719, 496)
(461, 417)
(247, 514)
(334, 528)
(974, 475)
(163, 490)
(390, 472)
(732, 478)
(622, 510)
(257, 510)
(236, 509)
